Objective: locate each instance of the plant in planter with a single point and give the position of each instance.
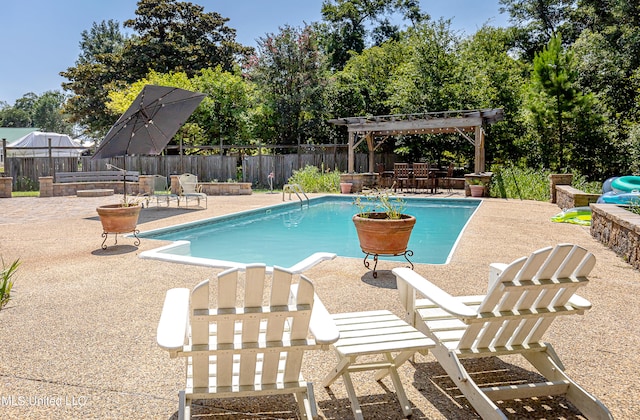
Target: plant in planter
(382, 227)
(476, 186)
(120, 218)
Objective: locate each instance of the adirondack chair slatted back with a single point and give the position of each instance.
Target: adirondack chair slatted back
(530, 292)
(265, 343)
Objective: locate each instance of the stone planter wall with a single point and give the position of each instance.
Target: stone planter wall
(216, 188)
(360, 181)
(558, 179)
(6, 186)
(568, 197)
(618, 229)
(226, 188)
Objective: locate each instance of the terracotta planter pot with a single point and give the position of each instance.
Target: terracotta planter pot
(382, 236)
(476, 190)
(345, 187)
(118, 219)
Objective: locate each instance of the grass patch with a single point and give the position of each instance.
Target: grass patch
(531, 184)
(25, 194)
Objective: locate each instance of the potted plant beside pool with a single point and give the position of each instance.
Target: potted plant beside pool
(120, 218)
(382, 227)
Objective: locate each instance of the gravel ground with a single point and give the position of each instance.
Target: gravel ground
(78, 338)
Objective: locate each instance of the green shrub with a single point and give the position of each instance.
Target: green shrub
(6, 281)
(521, 183)
(634, 207)
(312, 180)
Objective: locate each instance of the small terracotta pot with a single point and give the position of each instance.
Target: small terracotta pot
(345, 187)
(476, 190)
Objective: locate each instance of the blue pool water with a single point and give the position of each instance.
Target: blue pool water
(286, 234)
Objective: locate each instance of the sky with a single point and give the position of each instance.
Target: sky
(40, 38)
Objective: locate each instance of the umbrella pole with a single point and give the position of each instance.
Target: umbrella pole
(124, 181)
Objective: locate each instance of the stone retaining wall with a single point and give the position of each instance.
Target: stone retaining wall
(48, 188)
(568, 197)
(216, 188)
(226, 188)
(618, 229)
(6, 186)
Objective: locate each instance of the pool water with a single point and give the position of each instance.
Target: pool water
(286, 234)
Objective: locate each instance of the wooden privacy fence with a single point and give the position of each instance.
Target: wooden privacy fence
(254, 169)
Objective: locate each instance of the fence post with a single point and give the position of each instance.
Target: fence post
(50, 158)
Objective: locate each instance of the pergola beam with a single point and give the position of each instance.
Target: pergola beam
(459, 122)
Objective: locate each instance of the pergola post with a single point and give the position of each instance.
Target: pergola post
(479, 164)
(372, 154)
(352, 154)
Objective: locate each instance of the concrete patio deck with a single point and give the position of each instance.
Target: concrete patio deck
(78, 338)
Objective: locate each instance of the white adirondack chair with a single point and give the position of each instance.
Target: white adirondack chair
(252, 342)
(523, 299)
(189, 188)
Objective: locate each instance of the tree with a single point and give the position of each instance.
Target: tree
(96, 69)
(47, 113)
(538, 21)
(560, 111)
(179, 36)
(495, 79)
(289, 72)
(169, 36)
(43, 112)
(345, 29)
(14, 117)
(223, 113)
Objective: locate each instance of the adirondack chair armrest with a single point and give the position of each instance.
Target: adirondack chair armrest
(579, 302)
(310, 261)
(435, 294)
(172, 328)
(321, 324)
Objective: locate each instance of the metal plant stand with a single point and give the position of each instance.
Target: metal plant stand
(406, 254)
(106, 234)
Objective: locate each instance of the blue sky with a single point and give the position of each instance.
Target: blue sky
(40, 38)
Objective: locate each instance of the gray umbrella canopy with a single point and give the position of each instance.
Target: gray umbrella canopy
(150, 123)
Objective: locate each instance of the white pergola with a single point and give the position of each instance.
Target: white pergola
(376, 129)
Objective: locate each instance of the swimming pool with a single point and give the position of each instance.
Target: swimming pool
(287, 233)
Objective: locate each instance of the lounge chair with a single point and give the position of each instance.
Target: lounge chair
(245, 347)
(161, 192)
(189, 188)
(523, 299)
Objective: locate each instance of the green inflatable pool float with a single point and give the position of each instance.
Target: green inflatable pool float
(576, 216)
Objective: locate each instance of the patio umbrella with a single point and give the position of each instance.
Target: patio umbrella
(150, 123)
